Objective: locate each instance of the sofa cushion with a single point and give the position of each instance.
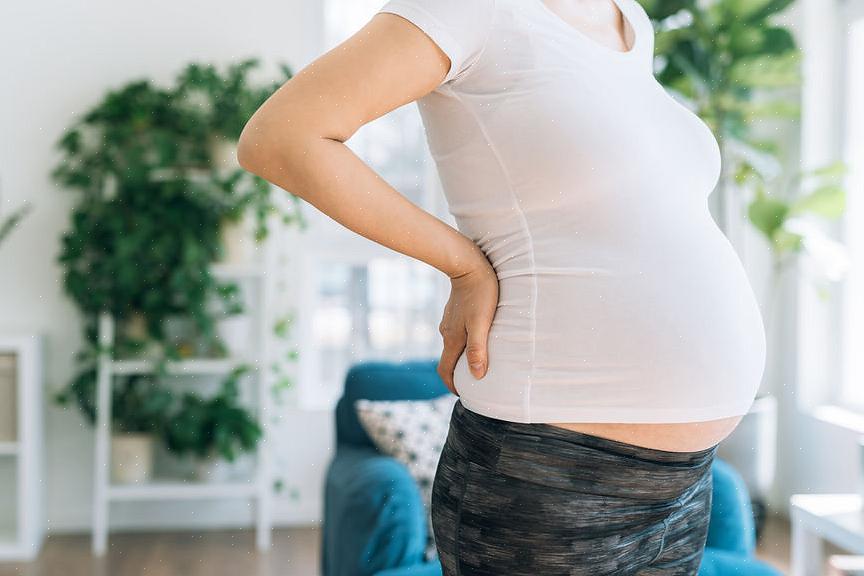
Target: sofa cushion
(380, 380)
(725, 563)
(413, 432)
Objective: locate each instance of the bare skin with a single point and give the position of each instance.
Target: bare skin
(296, 140)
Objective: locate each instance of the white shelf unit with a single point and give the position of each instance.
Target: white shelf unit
(23, 455)
(260, 489)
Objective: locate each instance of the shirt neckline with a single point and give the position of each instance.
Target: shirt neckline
(629, 22)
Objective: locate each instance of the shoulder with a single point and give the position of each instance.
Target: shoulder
(448, 12)
(641, 14)
(460, 27)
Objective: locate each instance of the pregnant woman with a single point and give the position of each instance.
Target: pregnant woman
(601, 334)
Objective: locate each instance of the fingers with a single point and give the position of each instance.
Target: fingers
(476, 350)
(454, 344)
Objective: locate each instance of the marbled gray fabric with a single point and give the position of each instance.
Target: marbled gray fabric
(534, 499)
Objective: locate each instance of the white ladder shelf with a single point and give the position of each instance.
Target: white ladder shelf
(260, 488)
(24, 452)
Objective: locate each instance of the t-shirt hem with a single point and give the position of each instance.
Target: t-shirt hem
(640, 415)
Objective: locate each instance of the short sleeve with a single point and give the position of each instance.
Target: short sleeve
(459, 27)
(647, 31)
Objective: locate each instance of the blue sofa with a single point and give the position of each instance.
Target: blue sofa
(374, 523)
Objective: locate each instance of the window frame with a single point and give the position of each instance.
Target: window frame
(819, 327)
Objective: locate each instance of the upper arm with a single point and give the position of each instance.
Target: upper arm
(403, 52)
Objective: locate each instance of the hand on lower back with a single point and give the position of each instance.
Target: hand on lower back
(467, 319)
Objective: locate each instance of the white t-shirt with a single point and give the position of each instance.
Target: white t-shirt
(585, 184)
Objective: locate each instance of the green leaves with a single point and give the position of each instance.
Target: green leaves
(660, 9)
(140, 404)
(767, 71)
(744, 9)
(738, 67)
(828, 201)
(826, 198)
(767, 213)
(146, 229)
(8, 223)
(216, 425)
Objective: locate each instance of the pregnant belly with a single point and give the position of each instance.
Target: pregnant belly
(661, 336)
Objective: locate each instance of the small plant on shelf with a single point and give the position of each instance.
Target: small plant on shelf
(210, 429)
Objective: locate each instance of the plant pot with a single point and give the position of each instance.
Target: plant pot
(135, 327)
(213, 469)
(238, 241)
(131, 458)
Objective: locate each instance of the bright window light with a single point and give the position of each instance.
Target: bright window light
(852, 392)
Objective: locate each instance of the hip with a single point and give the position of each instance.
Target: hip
(523, 498)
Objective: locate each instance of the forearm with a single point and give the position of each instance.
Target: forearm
(331, 177)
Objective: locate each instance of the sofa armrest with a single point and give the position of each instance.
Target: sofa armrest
(374, 518)
(732, 526)
(716, 562)
(431, 568)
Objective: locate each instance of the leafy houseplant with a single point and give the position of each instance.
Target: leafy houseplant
(735, 66)
(153, 202)
(218, 426)
(788, 223)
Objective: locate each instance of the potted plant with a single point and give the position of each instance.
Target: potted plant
(214, 431)
(140, 408)
(734, 67)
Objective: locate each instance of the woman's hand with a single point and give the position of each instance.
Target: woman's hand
(467, 319)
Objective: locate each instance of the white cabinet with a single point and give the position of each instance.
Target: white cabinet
(22, 519)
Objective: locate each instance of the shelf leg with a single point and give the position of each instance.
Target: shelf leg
(807, 557)
(103, 432)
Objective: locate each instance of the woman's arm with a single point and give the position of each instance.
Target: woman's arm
(296, 141)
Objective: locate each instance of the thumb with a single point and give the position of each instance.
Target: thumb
(475, 350)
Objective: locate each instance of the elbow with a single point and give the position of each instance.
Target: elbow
(272, 151)
(254, 148)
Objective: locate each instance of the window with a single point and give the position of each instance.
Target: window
(380, 308)
(852, 363)
(361, 300)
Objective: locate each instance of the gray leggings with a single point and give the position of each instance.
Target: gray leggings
(538, 500)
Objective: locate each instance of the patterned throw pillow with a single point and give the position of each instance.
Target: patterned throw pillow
(413, 432)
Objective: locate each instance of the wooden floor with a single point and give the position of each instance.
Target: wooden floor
(225, 553)
(232, 553)
(774, 544)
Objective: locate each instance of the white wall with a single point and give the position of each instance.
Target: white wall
(57, 59)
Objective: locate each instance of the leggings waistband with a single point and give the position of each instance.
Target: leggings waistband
(573, 460)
